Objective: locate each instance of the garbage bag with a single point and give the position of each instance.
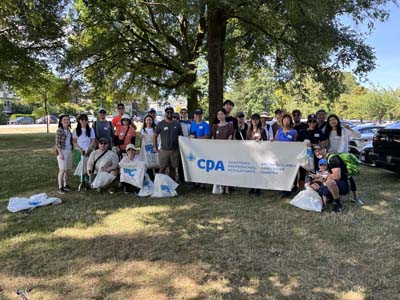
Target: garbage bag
(148, 187)
(147, 152)
(217, 189)
(164, 186)
(308, 199)
(17, 204)
(102, 180)
(133, 173)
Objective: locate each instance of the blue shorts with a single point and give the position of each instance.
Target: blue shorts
(343, 186)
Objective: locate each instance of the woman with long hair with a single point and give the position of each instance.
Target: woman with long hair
(84, 141)
(64, 150)
(222, 131)
(339, 136)
(286, 133)
(146, 138)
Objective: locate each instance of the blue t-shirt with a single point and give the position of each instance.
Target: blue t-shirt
(199, 130)
(286, 137)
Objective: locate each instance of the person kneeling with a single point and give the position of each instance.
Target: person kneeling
(336, 182)
(103, 160)
(130, 158)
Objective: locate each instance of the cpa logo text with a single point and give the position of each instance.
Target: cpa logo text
(210, 165)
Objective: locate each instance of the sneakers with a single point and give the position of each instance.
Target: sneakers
(61, 191)
(337, 207)
(111, 190)
(125, 190)
(67, 188)
(358, 201)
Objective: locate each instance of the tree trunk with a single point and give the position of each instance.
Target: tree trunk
(46, 113)
(193, 100)
(216, 21)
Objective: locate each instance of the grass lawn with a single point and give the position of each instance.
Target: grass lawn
(194, 246)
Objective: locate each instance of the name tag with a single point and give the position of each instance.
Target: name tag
(316, 135)
(289, 136)
(105, 128)
(165, 128)
(217, 132)
(337, 137)
(200, 127)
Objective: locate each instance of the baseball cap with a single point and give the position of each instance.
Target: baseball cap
(278, 111)
(322, 162)
(240, 114)
(151, 110)
(198, 111)
(176, 115)
(255, 117)
(183, 109)
(127, 117)
(319, 146)
(130, 146)
(103, 140)
(264, 114)
(169, 108)
(102, 110)
(312, 117)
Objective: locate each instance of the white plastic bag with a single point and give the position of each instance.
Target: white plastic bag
(82, 163)
(164, 186)
(133, 173)
(102, 180)
(16, 204)
(308, 200)
(148, 153)
(306, 159)
(148, 187)
(217, 189)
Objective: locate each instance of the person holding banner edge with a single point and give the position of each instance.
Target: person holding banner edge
(147, 132)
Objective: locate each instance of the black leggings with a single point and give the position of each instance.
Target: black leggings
(353, 186)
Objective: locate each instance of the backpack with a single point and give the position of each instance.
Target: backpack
(351, 161)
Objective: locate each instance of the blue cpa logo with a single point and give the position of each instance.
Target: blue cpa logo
(207, 164)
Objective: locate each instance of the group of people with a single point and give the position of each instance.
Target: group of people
(106, 143)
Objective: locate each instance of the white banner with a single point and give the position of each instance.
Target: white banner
(264, 165)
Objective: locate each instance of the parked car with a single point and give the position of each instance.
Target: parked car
(43, 120)
(72, 119)
(367, 133)
(386, 145)
(21, 121)
(109, 118)
(367, 155)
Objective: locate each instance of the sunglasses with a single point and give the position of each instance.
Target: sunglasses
(296, 115)
(312, 121)
(120, 108)
(103, 143)
(169, 112)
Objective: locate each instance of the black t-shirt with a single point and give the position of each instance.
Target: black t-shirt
(299, 128)
(334, 161)
(315, 136)
(243, 131)
(322, 127)
(229, 119)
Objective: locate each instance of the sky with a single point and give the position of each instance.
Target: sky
(386, 40)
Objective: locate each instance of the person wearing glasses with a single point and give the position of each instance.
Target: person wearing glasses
(298, 125)
(130, 158)
(240, 134)
(84, 140)
(169, 130)
(316, 137)
(124, 135)
(184, 121)
(103, 160)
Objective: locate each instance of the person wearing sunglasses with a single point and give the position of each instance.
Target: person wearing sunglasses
(116, 121)
(103, 160)
(84, 140)
(169, 130)
(298, 125)
(240, 134)
(316, 137)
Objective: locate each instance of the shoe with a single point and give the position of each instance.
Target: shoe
(81, 187)
(251, 191)
(227, 190)
(125, 190)
(98, 190)
(337, 207)
(67, 188)
(284, 194)
(61, 191)
(111, 190)
(257, 193)
(358, 201)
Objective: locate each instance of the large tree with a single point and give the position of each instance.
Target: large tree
(31, 32)
(292, 37)
(139, 46)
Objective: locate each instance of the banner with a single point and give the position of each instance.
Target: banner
(264, 165)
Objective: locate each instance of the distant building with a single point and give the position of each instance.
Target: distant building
(7, 98)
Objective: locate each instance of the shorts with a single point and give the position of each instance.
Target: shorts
(343, 186)
(66, 163)
(168, 158)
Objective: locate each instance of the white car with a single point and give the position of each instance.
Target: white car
(72, 119)
(91, 118)
(367, 133)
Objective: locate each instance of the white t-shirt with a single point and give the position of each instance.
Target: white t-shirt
(149, 131)
(126, 160)
(83, 140)
(340, 144)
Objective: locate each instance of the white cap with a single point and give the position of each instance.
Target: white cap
(130, 146)
(126, 117)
